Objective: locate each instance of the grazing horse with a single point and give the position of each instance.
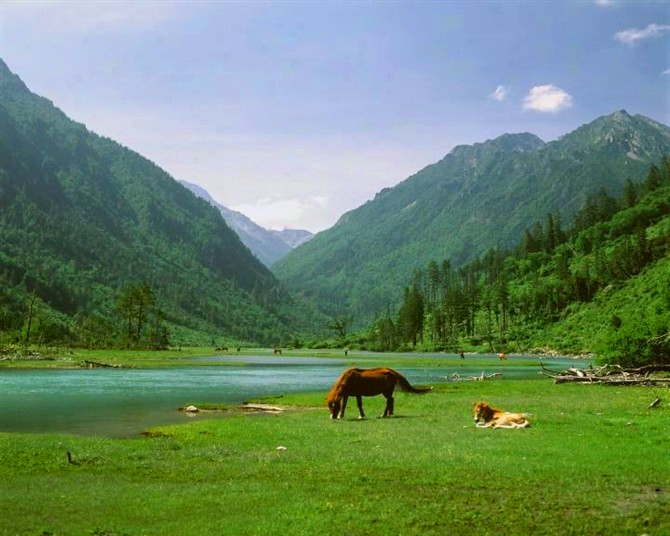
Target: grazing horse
(488, 417)
(502, 356)
(277, 351)
(367, 382)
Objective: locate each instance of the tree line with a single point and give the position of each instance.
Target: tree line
(498, 299)
(136, 321)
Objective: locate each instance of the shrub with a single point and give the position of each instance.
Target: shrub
(638, 343)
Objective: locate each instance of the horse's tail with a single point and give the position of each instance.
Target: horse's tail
(408, 387)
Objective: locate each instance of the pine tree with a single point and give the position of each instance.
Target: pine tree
(629, 194)
(654, 179)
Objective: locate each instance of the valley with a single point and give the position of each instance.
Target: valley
(501, 245)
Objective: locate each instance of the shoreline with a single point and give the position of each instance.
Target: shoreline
(196, 357)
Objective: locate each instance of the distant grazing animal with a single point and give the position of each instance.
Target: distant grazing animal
(367, 382)
(502, 356)
(488, 417)
(277, 351)
(221, 348)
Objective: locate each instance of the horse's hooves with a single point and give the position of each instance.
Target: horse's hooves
(361, 417)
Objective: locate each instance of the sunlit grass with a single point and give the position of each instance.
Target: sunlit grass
(594, 462)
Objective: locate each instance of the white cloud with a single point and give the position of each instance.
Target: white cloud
(632, 35)
(279, 212)
(604, 3)
(500, 93)
(547, 98)
(667, 71)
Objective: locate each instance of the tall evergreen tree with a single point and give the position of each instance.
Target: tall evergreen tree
(629, 194)
(653, 180)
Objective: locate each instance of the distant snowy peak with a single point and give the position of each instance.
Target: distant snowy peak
(267, 245)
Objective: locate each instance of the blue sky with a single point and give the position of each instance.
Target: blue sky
(295, 112)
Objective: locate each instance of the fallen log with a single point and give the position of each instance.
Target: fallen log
(261, 407)
(457, 377)
(648, 369)
(99, 364)
(611, 375)
(610, 380)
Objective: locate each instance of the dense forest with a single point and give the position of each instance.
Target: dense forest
(99, 246)
(602, 284)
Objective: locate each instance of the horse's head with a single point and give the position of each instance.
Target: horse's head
(482, 411)
(334, 406)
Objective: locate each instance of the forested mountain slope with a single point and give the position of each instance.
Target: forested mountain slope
(603, 285)
(82, 219)
(477, 197)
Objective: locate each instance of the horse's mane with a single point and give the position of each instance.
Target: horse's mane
(487, 411)
(336, 392)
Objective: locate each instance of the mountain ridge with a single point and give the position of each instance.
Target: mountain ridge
(82, 218)
(267, 245)
(293, 237)
(476, 197)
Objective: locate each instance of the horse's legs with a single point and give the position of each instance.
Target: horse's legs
(359, 401)
(344, 406)
(388, 410)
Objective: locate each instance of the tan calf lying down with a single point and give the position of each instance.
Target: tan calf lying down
(488, 417)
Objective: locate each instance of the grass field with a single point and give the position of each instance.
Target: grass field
(189, 356)
(595, 461)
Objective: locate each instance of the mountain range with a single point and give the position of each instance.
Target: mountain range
(477, 197)
(266, 244)
(83, 219)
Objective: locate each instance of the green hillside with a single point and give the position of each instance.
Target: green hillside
(602, 286)
(477, 197)
(112, 246)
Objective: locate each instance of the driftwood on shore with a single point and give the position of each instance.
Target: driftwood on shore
(261, 407)
(192, 409)
(98, 364)
(611, 375)
(480, 378)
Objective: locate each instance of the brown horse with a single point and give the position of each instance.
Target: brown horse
(367, 382)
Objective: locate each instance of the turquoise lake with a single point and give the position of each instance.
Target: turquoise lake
(124, 402)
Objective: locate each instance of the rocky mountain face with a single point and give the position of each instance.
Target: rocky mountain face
(267, 245)
(477, 197)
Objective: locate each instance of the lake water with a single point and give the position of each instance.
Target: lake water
(124, 402)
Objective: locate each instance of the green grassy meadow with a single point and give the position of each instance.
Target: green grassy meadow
(595, 461)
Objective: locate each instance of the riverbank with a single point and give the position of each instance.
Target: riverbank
(192, 356)
(593, 462)
(78, 357)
